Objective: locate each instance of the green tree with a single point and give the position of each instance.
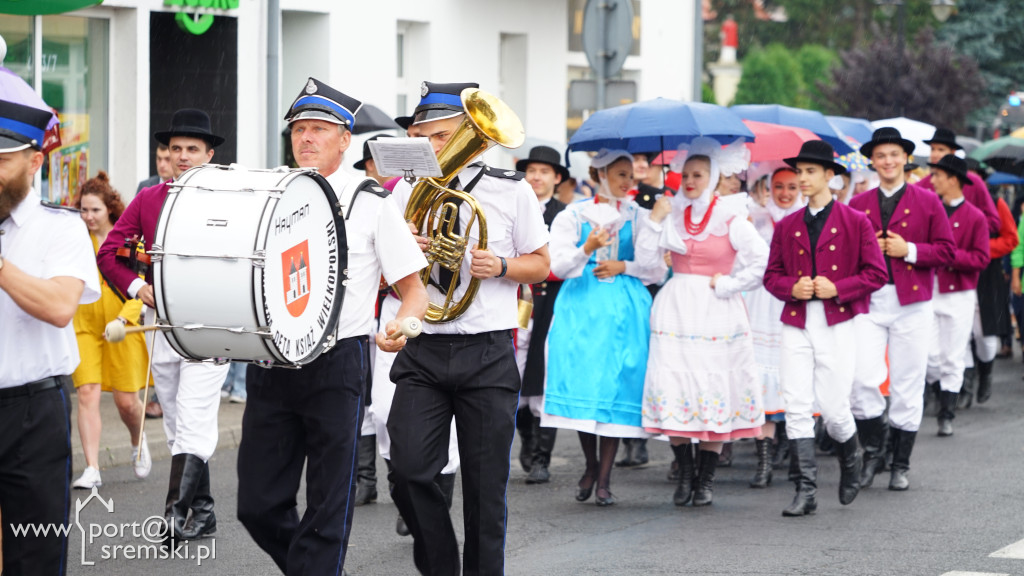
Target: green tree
(816, 63)
(707, 94)
(771, 76)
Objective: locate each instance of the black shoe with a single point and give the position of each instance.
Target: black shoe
(203, 522)
(186, 474)
(725, 458)
(763, 472)
(400, 527)
(684, 486)
(539, 473)
(526, 424)
(608, 500)
(583, 494)
(947, 409)
(702, 493)
(804, 503)
(872, 434)
(904, 445)
(850, 466)
(966, 397)
(984, 381)
(366, 474)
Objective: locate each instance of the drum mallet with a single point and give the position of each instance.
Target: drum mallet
(410, 327)
(116, 332)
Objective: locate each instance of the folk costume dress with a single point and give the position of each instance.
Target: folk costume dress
(701, 374)
(597, 346)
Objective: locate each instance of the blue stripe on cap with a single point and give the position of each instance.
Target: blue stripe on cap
(27, 130)
(320, 100)
(442, 98)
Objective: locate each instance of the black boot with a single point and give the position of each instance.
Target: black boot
(872, 433)
(526, 424)
(203, 521)
(186, 474)
(850, 465)
(763, 473)
(725, 458)
(366, 474)
(705, 478)
(903, 446)
(984, 381)
(539, 473)
(947, 407)
(781, 456)
(446, 482)
(635, 452)
(966, 397)
(684, 488)
(802, 451)
(400, 527)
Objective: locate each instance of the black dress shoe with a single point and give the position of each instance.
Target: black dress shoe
(608, 500)
(583, 494)
(400, 527)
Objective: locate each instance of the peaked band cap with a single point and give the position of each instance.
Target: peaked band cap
(437, 102)
(944, 136)
(367, 155)
(817, 152)
(318, 101)
(887, 135)
(544, 155)
(192, 123)
(22, 126)
(953, 165)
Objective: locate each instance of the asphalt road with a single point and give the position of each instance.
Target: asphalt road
(962, 515)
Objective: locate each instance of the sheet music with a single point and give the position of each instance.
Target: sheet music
(402, 156)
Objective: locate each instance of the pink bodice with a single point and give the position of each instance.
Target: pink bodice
(707, 257)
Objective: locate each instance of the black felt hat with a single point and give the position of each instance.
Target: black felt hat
(192, 123)
(945, 136)
(817, 152)
(22, 126)
(544, 155)
(437, 102)
(361, 165)
(318, 101)
(887, 135)
(952, 165)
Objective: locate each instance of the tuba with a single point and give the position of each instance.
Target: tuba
(434, 208)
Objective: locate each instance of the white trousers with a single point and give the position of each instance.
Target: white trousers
(189, 395)
(951, 331)
(985, 347)
(816, 363)
(383, 392)
(905, 330)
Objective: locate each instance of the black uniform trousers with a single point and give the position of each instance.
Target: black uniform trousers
(35, 477)
(293, 417)
(475, 378)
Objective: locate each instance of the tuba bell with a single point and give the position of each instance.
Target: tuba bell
(434, 208)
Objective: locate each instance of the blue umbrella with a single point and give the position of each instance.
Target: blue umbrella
(856, 128)
(788, 116)
(1000, 178)
(657, 125)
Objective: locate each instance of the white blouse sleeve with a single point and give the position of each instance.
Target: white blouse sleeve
(648, 262)
(751, 259)
(567, 259)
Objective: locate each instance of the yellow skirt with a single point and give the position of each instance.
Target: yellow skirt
(121, 366)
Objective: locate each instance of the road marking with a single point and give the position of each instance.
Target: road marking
(1015, 550)
(961, 573)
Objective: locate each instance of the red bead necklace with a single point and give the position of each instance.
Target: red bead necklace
(695, 229)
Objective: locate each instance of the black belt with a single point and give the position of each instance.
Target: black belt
(478, 337)
(31, 387)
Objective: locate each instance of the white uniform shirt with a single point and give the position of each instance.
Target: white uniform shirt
(378, 241)
(514, 227)
(45, 243)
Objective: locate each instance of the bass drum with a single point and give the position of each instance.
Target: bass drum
(250, 265)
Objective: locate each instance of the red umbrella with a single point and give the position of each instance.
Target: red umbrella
(771, 142)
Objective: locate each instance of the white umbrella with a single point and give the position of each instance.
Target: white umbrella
(913, 130)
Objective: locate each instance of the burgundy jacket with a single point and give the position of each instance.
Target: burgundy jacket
(139, 219)
(847, 254)
(970, 232)
(976, 192)
(920, 219)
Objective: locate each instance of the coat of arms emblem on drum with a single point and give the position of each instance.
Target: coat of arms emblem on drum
(295, 268)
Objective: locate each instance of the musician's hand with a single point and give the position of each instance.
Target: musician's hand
(393, 345)
(609, 268)
(485, 264)
(803, 289)
(420, 240)
(824, 288)
(598, 238)
(146, 295)
(896, 246)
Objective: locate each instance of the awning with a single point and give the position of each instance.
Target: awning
(40, 7)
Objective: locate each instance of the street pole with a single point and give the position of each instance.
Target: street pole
(273, 83)
(602, 59)
(698, 52)
(901, 17)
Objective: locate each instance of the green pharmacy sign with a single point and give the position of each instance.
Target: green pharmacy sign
(40, 7)
(196, 16)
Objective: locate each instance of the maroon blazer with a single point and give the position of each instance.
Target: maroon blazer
(139, 219)
(847, 254)
(970, 232)
(919, 218)
(976, 192)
